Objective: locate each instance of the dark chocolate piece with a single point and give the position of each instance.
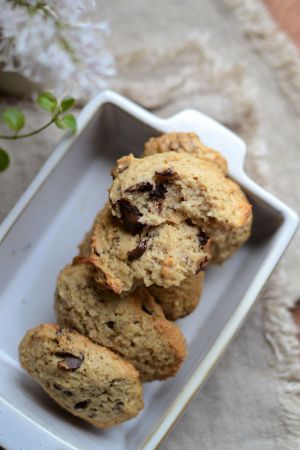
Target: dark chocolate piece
(69, 361)
(138, 251)
(159, 192)
(166, 176)
(202, 266)
(82, 405)
(203, 238)
(130, 215)
(140, 187)
(110, 324)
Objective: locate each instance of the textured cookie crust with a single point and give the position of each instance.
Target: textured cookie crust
(133, 326)
(85, 245)
(184, 143)
(172, 187)
(163, 255)
(177, 302)
(87, 380)
(224, 245)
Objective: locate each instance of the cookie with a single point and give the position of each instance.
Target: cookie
(186, 143)
(223, 246)
(164, 255)
(173, 187)
(87, 380)
(133, 326)
(177, 302)
(85, 245)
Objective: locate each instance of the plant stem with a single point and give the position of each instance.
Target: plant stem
(21, 136)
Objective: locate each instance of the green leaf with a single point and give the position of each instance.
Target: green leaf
(4, 160)
(14, 119)
(59, 123)
(47, 101)
(67, 103)
(66, 122)
(70, 121)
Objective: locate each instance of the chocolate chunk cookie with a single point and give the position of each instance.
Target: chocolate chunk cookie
(164, 255)
(87, 380)
(133, 326)
(184, 143)
(177, 302)
(184, 187)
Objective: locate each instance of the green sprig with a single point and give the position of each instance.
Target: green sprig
(15, 120)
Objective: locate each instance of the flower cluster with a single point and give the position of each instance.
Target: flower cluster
(51, 43)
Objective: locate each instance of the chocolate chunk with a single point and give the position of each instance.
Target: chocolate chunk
(82, 405)
(110, 324)
(203, 238)
(67, 393)
(119, 405)
(138, 251)
(159, 192)
(203, 265)
(69, 361)
(146, 310)
(130, 215)
(166, 176)
(159, 206)
(140, 187)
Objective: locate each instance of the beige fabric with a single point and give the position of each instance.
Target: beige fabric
(173, 55)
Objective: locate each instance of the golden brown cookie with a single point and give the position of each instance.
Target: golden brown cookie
(133, 326)
(186, 143)
(164, 255)
(87, 380)
(177, 302)
(173, 187)
(222, 248)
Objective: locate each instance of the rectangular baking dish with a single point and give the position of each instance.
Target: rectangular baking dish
(41, 235)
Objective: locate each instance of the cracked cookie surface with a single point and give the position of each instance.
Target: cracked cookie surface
(176, 301)
(164, 255)
(173, 187)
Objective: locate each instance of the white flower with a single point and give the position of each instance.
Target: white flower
(49, 43)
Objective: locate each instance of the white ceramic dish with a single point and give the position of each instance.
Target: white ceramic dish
(40, 236)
